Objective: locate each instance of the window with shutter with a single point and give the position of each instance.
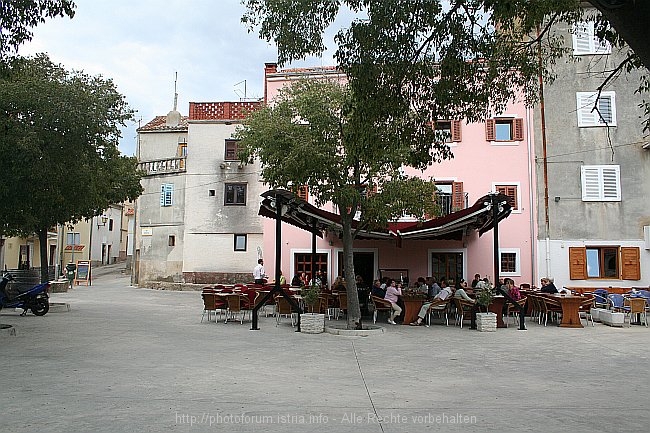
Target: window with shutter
(166, 194)
(512, 191)
(504, 129)
(601, 182)
(231, 150)
(591, 113)
(451, 129)
(577, 263)
(456, 131)
(303, 192)
(586, 42)
(458, 197)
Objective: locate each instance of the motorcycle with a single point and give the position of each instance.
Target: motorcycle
(35, 299)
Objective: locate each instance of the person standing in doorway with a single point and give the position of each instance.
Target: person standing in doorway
(258, 273)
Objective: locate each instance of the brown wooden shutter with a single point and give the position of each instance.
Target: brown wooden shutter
(511, 192)
(303, 192)
(456, 132)
(630, 263)
(458, 197)
(490, 131)
(518, 127)
(578, 263)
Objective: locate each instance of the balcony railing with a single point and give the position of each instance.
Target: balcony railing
(163, 166)
(446, 201)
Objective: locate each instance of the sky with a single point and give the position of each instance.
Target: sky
(142, 44)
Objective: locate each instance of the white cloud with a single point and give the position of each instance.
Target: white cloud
(141, 44)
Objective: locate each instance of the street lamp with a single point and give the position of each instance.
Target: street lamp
(102, 223)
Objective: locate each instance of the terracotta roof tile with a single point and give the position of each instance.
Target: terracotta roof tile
(158, 124)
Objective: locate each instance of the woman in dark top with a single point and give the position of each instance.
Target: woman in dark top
(548, 286)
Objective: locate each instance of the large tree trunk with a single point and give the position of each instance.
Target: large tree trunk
(631, 22)
(42, 240)
(354, 311)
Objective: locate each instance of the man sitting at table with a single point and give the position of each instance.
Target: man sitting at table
(444, 293)
(548, 286)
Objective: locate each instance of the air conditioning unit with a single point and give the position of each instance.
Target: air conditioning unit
(225, 165)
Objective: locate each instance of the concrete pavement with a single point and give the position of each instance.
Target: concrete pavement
(130, 359)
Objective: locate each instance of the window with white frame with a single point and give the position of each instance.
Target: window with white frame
(73, 238)
(166, 194)
(601, 182)
(596, 113)
(240, 242)
(509, 262)
(513, 193)
(586, 42)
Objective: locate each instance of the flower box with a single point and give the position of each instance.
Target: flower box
(486, 322)
(312, 323)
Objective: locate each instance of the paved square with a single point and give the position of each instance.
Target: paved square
(129, 359)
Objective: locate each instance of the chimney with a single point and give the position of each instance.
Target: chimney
(269, 68)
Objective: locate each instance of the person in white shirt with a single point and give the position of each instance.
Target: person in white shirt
(258, 273)
(443, 294)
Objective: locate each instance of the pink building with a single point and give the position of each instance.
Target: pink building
(493, 156)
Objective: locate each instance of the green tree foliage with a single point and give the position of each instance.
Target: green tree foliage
(18, 17)
(59, 134)
(316, 134)
(458, 59)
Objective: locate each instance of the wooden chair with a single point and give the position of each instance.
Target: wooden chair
(283, 308)
(235, 307)
(342, 304)
(463, 308)
(636, 306)
(515, 310)
(379, 304)
(584, 310)
(438, 306)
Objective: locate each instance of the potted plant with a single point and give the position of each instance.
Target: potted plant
(312, 322)
(485, 321)
(310, 296)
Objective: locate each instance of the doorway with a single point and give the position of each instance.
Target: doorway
(364, 265)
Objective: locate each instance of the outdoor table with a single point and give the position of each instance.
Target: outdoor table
(570, 309)
(496, 307)
(412, 305)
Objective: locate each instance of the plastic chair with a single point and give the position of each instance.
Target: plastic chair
(634, 306)
(584, 310)
(616, 302)
(600, 298)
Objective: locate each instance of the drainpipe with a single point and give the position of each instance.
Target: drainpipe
(531, 197)
(544, 158)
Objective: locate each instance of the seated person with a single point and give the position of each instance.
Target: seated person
(377, 290)
(442, 295)
(462, 294)
(434, 288)
(548, 286)
(510, 289)
(421, 286)
(392, 295)
(296, 281)
(477, 278)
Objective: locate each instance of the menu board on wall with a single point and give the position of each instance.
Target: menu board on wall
(83, 272)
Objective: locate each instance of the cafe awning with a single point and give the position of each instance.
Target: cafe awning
(308, 217)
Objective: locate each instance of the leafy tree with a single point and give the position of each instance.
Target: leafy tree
(448, 59)
(317, 134)
(59, 134)
(17, 17)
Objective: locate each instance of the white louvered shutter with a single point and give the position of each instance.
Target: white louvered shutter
(601, 183)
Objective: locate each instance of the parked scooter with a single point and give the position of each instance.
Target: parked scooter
(35, 299)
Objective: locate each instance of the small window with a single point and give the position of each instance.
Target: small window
(212, 193)
(231, 150)
(235, 194)
(110, 225)
(509, 262)
(586, 42)
(73, 238)
(171, 241)
(182, 150)
(602, 262)
(450, 128)
(591, 113)
(512, 191)
(240, 242)
(166, 194)
(601, 182)
(504, 129)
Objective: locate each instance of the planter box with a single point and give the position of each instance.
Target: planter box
(612, 319)
(312, 323)
(596, 312)
(486, 322)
